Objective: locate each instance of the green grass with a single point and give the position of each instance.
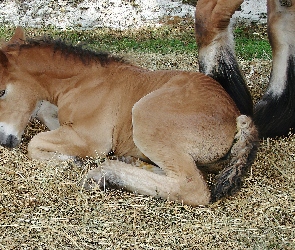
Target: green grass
(166, 39)
(252, 42)
(250, 49)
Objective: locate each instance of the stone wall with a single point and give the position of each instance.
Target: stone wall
(87, 14)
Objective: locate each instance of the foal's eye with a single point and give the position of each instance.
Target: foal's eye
(2, 93)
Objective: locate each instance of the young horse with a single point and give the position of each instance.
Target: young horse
(274, 114)
(174, 121)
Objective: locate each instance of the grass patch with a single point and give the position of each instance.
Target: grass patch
(251, 41)
(248, 50)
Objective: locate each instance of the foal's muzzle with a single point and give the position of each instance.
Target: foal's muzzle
(9, 141)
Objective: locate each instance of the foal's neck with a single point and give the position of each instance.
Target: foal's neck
(56, 73)
(55, 63)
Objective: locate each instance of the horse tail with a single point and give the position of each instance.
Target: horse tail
(242, 155)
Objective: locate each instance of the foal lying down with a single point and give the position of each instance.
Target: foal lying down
(174, 121)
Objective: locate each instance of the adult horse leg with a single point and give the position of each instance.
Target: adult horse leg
(274, 114)
(216, 49)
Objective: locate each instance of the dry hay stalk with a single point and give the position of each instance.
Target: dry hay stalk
(41, 206)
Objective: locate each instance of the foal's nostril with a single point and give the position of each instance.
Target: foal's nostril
(11, 141)
(8, 140)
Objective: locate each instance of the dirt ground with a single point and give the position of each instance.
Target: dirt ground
(41, 207)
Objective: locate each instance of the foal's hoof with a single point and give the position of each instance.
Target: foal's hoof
(78, 161)
(92, 179)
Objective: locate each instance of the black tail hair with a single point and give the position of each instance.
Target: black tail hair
(242, 155)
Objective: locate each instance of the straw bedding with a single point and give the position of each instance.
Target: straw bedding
(41, 207)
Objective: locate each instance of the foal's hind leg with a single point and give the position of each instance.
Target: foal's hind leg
(171, 183)
(216, 49)
(119, 174)
(166, 130)
(274, 114)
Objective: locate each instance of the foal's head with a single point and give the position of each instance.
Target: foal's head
(24, 79)
(17, 100)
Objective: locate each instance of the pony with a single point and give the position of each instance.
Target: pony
(274, 113)
(160, 129)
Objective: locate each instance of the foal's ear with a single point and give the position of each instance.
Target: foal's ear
(18, 37)
(3, 59)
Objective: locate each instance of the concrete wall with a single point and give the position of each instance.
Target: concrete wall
(87, 14)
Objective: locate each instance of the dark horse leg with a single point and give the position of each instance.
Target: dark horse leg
(217, 59)
(216, 49)
(274, 114)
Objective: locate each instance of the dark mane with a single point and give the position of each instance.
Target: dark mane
(85, 55)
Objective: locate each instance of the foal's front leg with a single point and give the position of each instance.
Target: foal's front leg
(61, 144)
(47, 113)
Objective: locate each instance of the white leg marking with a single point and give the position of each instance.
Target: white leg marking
(208, 55)
(47, 113)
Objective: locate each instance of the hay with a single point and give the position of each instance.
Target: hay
(41, 207)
